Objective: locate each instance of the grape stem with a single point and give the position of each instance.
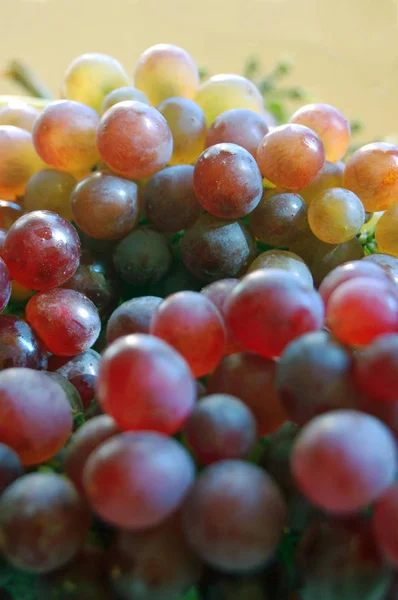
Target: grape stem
(25, 77)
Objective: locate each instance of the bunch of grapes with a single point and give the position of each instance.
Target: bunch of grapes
(198, 363)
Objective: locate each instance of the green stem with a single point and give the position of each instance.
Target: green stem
(25, 77)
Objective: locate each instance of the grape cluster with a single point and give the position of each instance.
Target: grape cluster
(198, 363)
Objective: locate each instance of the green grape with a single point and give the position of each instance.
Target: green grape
(386, 232)
(336, 215)
(122, 94)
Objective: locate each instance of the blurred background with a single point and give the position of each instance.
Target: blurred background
(344, 52)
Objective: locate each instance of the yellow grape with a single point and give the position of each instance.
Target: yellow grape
(224, 92)
(122, 94)
(18, 161)
(50, 189)
(330, 176)
(90, 77)
(386, 232)
(19, 114)
(165, 71)
(282, 259)
(336, 215)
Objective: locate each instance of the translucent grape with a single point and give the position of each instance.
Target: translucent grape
(43, 522)
(65, 136)
(165, 71)
(134, 140)
(51, 190)
(144, 384)
(385, 524)
(227, 181)
(291, 156)
(350, 270)
(372, 174)
(239, 126)
(222, 92)
(19, 114)
(330, 176)
(333, 466)
(376, 369)
(386, 232)
(169, 200)
(90, 77)
(19, 346)
(82, 371)
(331, 126)
(287, 261)
(151, 472)
(121, 95)
(133, 316)
(188, 126)
(218, 292)
(18, 161)
(234, 516)
(386, 262)
(10, 467)
(336, 215)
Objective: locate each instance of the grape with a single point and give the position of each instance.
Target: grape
(82, 371)
(121, 95)
(41, 250)
(134, 139)
(19, 114)
(5, 285)
(133, 316)
(344, 460)
(393, 591)
(386, 262)
(227, 181)
(314, 376)
(252, 379)
(385, 524)
(144, 384)
(220, 427)
(372, 174)
(64, 136)
(143, 257)
(386, 232)
(278, 219)
(19, 346)
(36, 418)
(90, 77)
(387, 412)
(151, 472)
(9, 213)
(169, 200)
(331, 126)
(153, 565)
(18, 161)
(362, 309)
(105, 207)
(192, 325)
(10, 467)
(324, 262)
(43, 522)
(74, 399)
(218, 292)
(51, 190)
(291, 156)
(3, 233)
(66, 321)
(87, 439)
(234, 516)
(239, 126)
(376, 369)
(336, 215)
(215, 248)
(188, 127)
(350, 270)
(224, 92)
(330, 176)
(337, 560)
(270, 308)
(165, 71)
(287, 261)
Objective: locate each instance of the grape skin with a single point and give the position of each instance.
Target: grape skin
(283, 259)
(121, 95)
(349, 270)
(330, 176)
(51, 190)
(386, 232)
(376, 369)
(385, 520)
(133, 316)
(239, 126)
(10, 467)
(18, 161)
(336, 215)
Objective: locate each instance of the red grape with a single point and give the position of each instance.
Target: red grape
(10, 467)
(19, 346)
(82, 371)
(133, 316)
(376, 369)
(385, 524)
(386, 262)
(5, 285)
(218, 292)
(239, 126)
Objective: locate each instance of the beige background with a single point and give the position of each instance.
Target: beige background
(345, 51)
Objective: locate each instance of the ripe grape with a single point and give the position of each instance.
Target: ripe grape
(151, 472)
(82, 371)
(19, 114)
(74, 399)
(144, 384)
(386, 232)
(269, 308)
(325, 261)
(350, 270)
(10, 467)
(66, 321)
(385, 524)
(43, 522)
(287, 261)
(387, 412)
(121, 95)
(18, 161)
(361, 309)
(188, 126)
(36, 419)
(239, 126)
(291, 156)
(330, 176)
(386, 262)
(344, 460)
(3, 233)
(134, 140)
(143, 256)
(372, 174)
(376, 369)
(227, 181)
(220, 427)
(51, 190)
(9, 213)
(234, 516)
(19, 346)
(252, 379)
(218, 292)
(192, 325)
(65, 136)
(214, 248)
(331, 126)
(5, 284)
(90, 77)
(165, 71)
(336, 215)
(169, 200)
(105, 207)
(222, 92)
(133, 316)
